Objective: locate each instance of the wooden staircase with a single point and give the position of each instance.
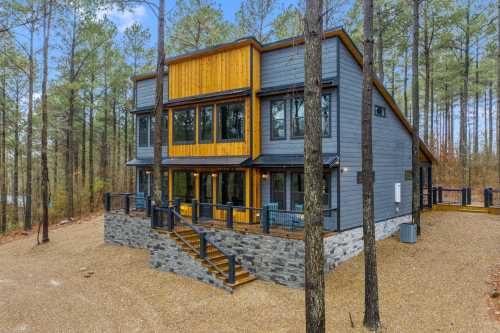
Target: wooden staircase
(218, 258)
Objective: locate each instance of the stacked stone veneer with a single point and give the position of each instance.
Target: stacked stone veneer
(127, 230)
(269, 258)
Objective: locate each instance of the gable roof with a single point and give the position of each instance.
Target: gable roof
(293, 41)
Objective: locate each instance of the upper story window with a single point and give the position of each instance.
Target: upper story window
(142, 125)
(278, 119)
(184, 126)
(297, 117)
(205, 125)
(380, 111)
(231, 121)
(164, 129)
(297, 120)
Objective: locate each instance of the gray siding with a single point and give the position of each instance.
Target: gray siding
(145, 93)
(286, 66)
(391, 150)
(294, 146)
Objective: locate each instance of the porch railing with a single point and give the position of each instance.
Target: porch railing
(492, 197)
(452, 196)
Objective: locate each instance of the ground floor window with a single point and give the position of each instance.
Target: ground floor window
(278, 189)
(231, 188)
(183, 186)
(297, 191)
(142, 181)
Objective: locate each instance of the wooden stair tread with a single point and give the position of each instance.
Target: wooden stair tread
(240, 282)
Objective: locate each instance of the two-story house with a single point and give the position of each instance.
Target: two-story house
(233, 131)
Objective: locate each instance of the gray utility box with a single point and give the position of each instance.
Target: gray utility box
(408, 233)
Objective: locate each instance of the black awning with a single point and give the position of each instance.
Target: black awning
(209, 97)
(140, 162)
(295, 87)
(290, 161)
(206, 161)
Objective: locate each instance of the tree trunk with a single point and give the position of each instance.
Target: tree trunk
(84, 149)
(160, 68)
(3, 159)
(15, 181)
(114, 144)
(463, 103)
(416, 120)
(490, 119)
(405, 85)
(498, 92)
(313, 171)
(91, 144)
(427, 62)
(372, 317)
(29, 131)
(45, 169)
(380, 44)
(476, 100)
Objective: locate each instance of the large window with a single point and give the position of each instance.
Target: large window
(278, 189)
(231, 121)
(183, 186)
(278, 119)
(231, 188)
(164, 129)
(184, 126)
(297, 199)
(143, 130)
(142, 181)
(205, 126)
(297, 117)
(325, 114)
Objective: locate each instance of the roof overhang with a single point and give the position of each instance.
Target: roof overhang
(233, 161)
(209, 97)
(295, 87)
(290, 161)
(140, 162)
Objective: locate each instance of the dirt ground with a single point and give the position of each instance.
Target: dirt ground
(436, 285)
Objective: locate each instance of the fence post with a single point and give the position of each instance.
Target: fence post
(440, 194)
(464, 196)
(469, 195)
(127, 203)
(203, 245)
(194, 211)
(232, 269)
(486, 196)
(229, 215)
(153, 217)
(107, 201)
(170, 219)
(177, 205)
(148, 206)
(265, 219)
(434, 195)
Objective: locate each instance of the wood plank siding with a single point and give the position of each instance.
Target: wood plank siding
(210, 73)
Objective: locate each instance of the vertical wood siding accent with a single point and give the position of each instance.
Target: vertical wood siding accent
(145, 92)
(210, 73)
(285, 66)
(391, 151)
(292, 145)
(238, 148)
(256, 104)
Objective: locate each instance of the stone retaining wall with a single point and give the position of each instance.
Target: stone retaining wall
(269, 258)
(127, 230)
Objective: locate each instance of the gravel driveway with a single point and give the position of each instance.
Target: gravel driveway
(78, 284)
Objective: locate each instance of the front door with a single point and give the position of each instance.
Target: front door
(206, 195)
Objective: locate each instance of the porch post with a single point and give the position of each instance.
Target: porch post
(429, 186)
(421, 201)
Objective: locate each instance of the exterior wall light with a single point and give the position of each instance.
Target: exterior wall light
(195, 174)
(214, 175)
(344, 169)
(265, 176)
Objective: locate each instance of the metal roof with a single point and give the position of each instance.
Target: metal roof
(290, 161)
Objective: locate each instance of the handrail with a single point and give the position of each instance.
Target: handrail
(184, 223)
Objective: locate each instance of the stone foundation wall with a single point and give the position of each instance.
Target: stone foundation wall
(275, 259)
(127, 230)
(347, 244)
(165, 255)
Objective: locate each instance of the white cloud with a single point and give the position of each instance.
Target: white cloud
(123, 18)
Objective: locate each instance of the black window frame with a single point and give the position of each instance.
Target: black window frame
(329, 126)
(219, 118)
(383, 109)
(292, 108)
(164, 132)
(139, 141)
(219, 187)
(183, 142)
(272, 189)
(193, 186)
(272, 119)
(326, 178)
(199, 112)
